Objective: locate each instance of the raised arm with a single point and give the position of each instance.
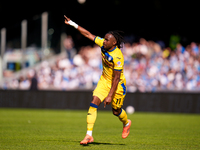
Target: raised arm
(83, 31)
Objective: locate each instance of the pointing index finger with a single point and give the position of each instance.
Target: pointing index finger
(104, 104)
(66, 18)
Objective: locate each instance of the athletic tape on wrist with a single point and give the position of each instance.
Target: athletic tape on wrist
(72, 23)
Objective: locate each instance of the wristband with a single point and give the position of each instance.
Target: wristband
(72, 23)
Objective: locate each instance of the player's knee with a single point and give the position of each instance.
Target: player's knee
(96, 101)
(116, 112)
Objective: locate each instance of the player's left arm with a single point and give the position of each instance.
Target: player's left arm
(115, 82)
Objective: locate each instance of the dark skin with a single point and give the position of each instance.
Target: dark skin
(108, 44)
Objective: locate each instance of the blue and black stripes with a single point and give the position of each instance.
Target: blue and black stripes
(124, 88)
(93, 105)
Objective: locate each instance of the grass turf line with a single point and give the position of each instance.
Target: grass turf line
(64, 129)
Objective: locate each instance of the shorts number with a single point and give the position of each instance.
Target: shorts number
(118, 101)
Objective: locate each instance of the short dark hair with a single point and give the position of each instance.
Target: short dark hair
(119, 38)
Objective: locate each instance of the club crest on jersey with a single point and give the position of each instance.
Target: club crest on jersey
(108, 57)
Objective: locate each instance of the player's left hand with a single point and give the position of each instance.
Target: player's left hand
(107, 101)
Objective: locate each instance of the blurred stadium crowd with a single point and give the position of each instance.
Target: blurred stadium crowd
(148, 67)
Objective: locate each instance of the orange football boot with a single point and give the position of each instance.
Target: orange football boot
(126, 130)
(87, 139)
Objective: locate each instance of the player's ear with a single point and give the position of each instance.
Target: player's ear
(114, 42)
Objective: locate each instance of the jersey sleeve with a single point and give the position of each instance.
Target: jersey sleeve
(118, 63)
(99, 41)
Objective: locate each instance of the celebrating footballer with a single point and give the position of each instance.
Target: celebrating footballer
(111, 88)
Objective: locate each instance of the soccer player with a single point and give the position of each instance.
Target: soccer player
(111, 87)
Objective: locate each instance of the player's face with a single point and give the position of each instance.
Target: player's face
(109, 42)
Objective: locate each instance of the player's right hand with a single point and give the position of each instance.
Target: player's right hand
(107, 101)
(66, 20)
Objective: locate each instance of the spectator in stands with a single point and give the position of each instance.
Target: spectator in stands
(33, 80)
(69, 46)
(24, 83)
(195, 49)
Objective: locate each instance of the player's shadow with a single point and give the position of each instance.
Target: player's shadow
(101, 143)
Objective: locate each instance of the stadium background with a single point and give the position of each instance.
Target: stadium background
(153, 20)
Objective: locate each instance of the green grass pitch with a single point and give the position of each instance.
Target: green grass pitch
(40, 129)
